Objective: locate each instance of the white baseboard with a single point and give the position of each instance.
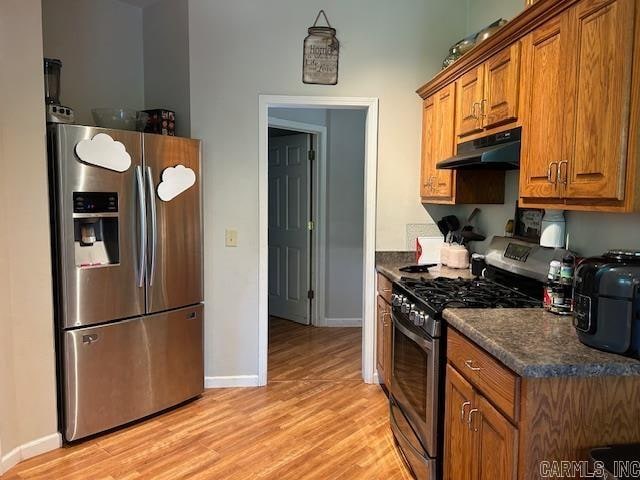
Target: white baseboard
(343, 322)
(30, 449)
(376, 378)
(231, 381)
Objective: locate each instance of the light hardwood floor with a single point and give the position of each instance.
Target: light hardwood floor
(315, 420)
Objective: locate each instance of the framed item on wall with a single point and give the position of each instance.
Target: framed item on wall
(320, 57)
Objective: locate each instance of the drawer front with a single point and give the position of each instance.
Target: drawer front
(496, 382)
(384, 287)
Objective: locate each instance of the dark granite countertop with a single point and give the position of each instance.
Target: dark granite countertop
(535, 343)
(389, 263)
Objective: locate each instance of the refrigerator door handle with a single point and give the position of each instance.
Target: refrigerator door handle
(143, 225)
(154, 224)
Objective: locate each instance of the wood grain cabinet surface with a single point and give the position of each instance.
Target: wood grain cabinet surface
(480, 443)
(577, 151)
(568, 73)
(384, 330)
(488, 95)
(438, 143)
(559, 418)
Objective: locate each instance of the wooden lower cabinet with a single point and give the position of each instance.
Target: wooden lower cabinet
(480, 443)
(555, 419)
(495, 439)
(458, 443)
(384, 334)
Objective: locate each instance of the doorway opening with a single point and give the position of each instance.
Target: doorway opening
(317, 269)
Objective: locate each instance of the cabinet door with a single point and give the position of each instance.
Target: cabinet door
(495, 439)
(445, 112)
(598, 98)
(470, 92)
(458, 446)
(543, 53)
(502, 76)
(388, 345)
(381, 313)
(428, 141)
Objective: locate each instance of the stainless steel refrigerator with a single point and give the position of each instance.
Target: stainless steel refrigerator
(127, 278)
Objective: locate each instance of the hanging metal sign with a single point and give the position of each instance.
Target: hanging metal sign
(320, 59)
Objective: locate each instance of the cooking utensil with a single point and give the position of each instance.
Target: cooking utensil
(418, 268)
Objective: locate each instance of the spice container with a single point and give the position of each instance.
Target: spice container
(558, 294)
(567, 269)
(554, 271)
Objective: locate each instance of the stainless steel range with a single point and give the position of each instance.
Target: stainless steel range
(513, 278)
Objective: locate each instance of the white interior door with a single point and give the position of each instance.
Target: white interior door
(288, 227)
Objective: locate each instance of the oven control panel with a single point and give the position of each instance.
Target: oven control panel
(517, 252)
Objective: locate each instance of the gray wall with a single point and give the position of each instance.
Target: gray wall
(166, 60)
(100, 45)
(241, 49)
(345, 206)
(345, 213)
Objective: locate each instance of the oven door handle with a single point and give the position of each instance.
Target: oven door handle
(423, 342)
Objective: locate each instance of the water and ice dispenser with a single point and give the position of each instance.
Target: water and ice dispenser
(95, 229)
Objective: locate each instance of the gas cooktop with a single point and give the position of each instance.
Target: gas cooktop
(440, 293)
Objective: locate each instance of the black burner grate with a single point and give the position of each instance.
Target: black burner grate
(440, 293)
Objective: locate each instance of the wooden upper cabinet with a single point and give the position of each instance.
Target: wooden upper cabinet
(470, 93)
(598, 98)
(427, 165)
(445, 111)
(458, 444)
(502, 76)
(543, 53)
(488, 95)
(496, 444)
(438, 143)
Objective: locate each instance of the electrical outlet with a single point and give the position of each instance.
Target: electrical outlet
(231, 238)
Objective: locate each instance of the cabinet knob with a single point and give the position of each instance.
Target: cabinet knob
(470, 423)
(469, 365)
(462, 410)
(566, 172)
(552, 178)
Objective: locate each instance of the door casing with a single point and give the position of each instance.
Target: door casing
(369, 241)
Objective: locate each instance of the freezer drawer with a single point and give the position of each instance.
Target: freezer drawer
(123, 371)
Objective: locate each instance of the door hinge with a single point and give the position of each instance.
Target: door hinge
(312, 155)
(310, 226)
(311, 294)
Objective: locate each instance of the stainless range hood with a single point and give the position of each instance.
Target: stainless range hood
(500, 151)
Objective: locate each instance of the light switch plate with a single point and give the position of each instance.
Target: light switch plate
(231, 238)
